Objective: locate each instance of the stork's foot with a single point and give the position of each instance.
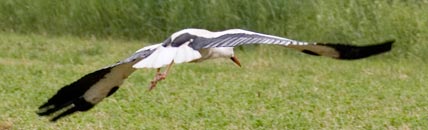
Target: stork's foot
(158, 77)
(152, 85)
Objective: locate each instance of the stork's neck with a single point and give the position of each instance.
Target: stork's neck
(212, 53)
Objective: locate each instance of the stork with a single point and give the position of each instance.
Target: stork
(187, 45)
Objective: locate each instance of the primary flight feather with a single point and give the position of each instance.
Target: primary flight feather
(188, 45)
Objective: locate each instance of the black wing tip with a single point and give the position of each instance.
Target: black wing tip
(387, 45)
(64, 114)
(50, 108)
(310, 52)
(71, 94)
(390, 42)
(351, 52)
(79, 105)
(55, 103)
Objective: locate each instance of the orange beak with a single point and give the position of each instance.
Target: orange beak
(235, 60)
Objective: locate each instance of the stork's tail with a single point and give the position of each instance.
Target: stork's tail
(345, 51)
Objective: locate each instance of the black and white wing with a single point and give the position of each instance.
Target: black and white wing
(86, 92)
(236, 37)
(183, 46)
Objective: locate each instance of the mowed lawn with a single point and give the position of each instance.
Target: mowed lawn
(277, 88)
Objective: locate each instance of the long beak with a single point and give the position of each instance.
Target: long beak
(235, 60)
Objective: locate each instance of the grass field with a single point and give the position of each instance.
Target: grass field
(276, 88)
(46, 44)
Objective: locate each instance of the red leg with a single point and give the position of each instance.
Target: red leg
(155, 80)
(160, 76)
(165, 73)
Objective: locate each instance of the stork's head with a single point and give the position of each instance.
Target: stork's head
(225, 52)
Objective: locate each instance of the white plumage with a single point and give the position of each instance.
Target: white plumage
(167, 53)
(159, 58)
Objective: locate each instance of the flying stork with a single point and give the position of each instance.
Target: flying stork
(187, 45)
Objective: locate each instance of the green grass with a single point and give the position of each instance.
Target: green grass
(276, 88)
(46, 44)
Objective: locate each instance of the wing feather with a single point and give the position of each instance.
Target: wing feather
(84, 93)
(236, 37)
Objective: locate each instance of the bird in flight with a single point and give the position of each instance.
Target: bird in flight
(187, 45)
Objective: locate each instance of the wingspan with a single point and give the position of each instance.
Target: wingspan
(92, 88)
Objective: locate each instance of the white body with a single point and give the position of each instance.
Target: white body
(166, 54)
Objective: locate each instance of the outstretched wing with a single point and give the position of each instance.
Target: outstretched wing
(236, 37)
(92, 88)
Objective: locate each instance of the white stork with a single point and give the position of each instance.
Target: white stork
(188, 45)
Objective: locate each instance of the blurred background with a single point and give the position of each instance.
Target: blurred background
(153, 20)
